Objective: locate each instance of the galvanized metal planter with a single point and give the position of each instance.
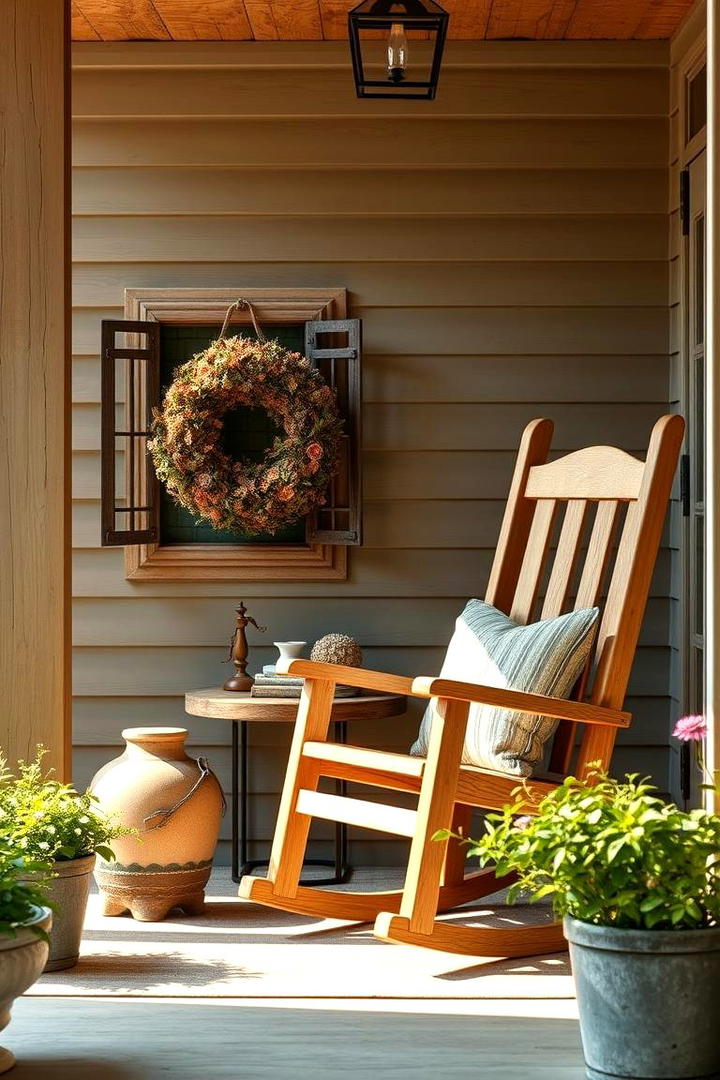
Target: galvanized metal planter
(648, 1001)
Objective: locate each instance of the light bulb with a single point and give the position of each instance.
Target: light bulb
(397, 52)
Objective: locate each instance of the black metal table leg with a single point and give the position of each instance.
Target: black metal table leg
(239, 807)
(241, 797)
(234, 806)
(343, 870)
(239, 804)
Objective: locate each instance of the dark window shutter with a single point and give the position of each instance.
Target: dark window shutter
(132, 518)
(334, 346)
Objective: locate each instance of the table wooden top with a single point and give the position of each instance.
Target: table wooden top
(216, 703)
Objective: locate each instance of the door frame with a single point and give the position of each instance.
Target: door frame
(693, 507)
(689, 150)
(712, 397)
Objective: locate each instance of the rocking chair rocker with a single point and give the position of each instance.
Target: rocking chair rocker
(602, 480)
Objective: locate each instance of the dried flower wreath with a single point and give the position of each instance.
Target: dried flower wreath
(186, 444)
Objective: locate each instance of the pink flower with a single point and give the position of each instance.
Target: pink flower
(523, 822)
(691, 729)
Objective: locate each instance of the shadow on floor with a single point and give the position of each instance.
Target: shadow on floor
(555, 964)
(110, 969)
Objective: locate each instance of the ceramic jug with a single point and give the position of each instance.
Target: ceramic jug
(175, 802)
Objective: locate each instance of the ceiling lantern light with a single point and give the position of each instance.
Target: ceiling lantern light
(397, 47)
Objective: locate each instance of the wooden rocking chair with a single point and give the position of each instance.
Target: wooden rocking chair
(601, 478)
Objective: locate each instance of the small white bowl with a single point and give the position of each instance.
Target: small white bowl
(290, 650)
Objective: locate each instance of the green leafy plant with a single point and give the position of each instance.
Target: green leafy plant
(43, 819)
(610, 852)
(20, 899)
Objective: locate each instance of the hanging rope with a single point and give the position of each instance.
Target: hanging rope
(164, 815)
(241, 303)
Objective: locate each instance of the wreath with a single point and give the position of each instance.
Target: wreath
(186, 444)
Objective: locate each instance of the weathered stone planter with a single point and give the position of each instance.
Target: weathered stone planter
(22, 958)
(648, 1001)
(69, 890)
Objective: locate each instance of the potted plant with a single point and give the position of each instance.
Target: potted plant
(25, 920)
(49, 821)
(637, 882)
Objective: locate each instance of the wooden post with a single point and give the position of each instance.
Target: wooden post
(34, 380)
(712, 392)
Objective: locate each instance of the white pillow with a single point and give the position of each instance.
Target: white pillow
(546, 657)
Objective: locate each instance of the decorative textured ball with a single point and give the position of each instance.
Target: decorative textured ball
(337, 649)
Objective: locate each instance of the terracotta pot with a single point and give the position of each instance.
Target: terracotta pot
(175, 802)
(69, 889)
(22, 958)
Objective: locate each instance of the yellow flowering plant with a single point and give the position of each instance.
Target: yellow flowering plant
(43, 819)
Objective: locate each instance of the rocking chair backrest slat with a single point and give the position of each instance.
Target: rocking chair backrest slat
(589, 591)
(518, 517)
(597, 480)
(566, 557)
(534, 561)
(598, 554)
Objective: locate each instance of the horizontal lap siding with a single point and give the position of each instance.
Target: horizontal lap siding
(298, 143)
(506, 248)
(481, 92)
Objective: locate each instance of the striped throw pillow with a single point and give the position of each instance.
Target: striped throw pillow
(542, 658)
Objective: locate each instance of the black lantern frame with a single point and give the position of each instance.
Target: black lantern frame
(425, 15)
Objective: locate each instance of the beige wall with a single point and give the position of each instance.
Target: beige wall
(506, 247)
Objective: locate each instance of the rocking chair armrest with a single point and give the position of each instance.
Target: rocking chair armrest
(579, 712)
(348, 676)
(426, 687)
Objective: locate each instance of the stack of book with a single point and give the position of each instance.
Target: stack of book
(270, 685)
(276, 686)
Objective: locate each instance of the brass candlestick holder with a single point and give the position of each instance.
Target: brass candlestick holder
(239, 651)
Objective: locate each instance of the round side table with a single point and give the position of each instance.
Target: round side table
(241, 709)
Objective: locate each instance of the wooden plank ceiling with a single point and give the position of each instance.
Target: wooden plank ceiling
(317, 20)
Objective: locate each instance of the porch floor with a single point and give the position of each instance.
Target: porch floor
(309, 998)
